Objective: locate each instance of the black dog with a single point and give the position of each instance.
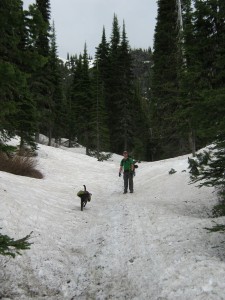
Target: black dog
(85, 197)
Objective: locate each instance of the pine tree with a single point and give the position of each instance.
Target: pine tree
(142, 69)
(67, 70)
(208, 167)
(59, 104)
(114, 86)
(102, 57)
(101, 93)
(188, 95)
(125, 134)
(142, 124)
(10, 22)
(82, 102)
(11, 247)
(115, 65)
(142, 63)
(18, 109)
(203, 77)
(76, 68)
(42, 87)
(42, 42)
(99, 114)
(120, 102)
(210, 36)
(166, 81)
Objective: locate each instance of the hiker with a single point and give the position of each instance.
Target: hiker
(127, 165)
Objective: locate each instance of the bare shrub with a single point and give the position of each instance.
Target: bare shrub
(24, 151)
(19, 165)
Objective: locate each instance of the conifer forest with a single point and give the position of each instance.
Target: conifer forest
(156, 103)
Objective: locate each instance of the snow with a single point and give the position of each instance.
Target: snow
(148, 245)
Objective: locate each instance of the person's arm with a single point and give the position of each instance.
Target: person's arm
(121, 167)
(132, 165)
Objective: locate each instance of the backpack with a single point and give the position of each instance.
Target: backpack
(134, 162)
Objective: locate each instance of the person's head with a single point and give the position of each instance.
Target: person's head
(125, 154)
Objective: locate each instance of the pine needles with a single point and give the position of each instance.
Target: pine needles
(11, 247)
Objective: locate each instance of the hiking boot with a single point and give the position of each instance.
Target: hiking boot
(131, 191)
(125, 192)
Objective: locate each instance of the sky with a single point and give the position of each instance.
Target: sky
(151, 244)
(80, 21)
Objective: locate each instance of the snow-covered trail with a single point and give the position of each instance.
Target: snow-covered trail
(152, 244)
(148, 245)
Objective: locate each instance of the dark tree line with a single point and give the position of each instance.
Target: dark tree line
(187, 99)
(101, 107)
(156, 104)
(107, 107)
(188, 87)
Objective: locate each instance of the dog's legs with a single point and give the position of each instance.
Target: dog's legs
(83, 202)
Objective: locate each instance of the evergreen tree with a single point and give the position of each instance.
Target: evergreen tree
(101, 93)
(208, 167)
(59, 104)
(18, 109)
(67, 70)
(99, 114)
(114, 86)
(202, 108)
(76, 65)
(188, 93)
(142, 63)
(102, 57)
(11, 247)
(82, 102)
(210, 36)
(10, 22)
(141, 139)
(142, 68)
(126, 107)
(166, 81)
(120, 102)
(115, 66)
(42, 87)
(42, 42)
(204, 79)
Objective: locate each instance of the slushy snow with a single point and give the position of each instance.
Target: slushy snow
(148, 245)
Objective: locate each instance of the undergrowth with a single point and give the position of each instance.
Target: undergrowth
(218, 210)
(19, 165)
(216, 228)
(11, 247)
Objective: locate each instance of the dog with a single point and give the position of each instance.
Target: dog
(85, 197)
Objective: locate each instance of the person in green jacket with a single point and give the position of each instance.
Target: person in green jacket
(127, 165)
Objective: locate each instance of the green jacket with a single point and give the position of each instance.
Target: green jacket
(127, 164)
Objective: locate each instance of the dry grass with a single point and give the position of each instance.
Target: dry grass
(24, 151)
(19, 165)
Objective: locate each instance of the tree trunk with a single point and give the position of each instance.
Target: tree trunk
(192, 142)
(50, 137)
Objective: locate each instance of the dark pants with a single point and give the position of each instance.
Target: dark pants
(128, 178)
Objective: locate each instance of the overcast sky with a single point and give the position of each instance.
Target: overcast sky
(80, 21)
